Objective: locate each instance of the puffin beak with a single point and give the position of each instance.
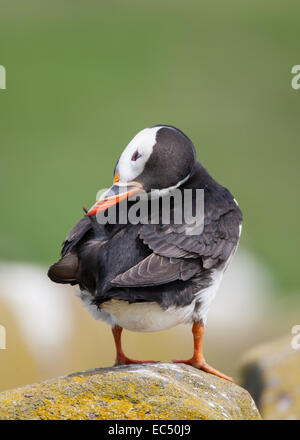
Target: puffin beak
(115, 194)
(117, 178)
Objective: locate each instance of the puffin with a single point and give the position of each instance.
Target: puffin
(151, 274)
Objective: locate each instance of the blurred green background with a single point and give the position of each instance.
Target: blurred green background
(83, 77)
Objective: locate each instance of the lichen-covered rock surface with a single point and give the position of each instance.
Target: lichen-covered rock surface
(135, 392)
(271, 373)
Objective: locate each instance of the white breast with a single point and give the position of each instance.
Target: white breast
(146, 317)
(139, 317)
(149, 316)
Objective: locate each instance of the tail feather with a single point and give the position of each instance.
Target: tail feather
(65, 271)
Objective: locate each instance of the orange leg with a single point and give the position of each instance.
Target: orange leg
(198, 360)
(121, 358)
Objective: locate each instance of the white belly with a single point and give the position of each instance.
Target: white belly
(146, 317)
(149, 316)
(138, 317)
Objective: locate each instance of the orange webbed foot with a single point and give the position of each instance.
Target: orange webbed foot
(124, 360)
(204, 366)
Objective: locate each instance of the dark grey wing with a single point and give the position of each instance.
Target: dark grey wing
(215, 244)
(156, 270)
(76, 234)
(180, 255)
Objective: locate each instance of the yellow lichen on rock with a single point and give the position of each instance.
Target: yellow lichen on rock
(140, 392)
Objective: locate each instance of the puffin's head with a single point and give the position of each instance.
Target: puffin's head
(160, 158)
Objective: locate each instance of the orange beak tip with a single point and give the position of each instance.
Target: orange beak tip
(104, 204)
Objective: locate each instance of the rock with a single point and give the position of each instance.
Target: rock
(271, 374)
(134, 392)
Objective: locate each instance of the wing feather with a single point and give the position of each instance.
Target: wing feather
(180, 256)
(76, 234)
(155, 270)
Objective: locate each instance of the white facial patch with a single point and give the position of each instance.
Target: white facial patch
(142, 143)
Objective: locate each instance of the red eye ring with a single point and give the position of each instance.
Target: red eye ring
(135, 156)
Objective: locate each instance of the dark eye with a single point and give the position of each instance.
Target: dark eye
(135, 156)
